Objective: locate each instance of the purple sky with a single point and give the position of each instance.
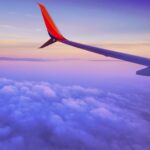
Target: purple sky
(121, 25)
(65, 98)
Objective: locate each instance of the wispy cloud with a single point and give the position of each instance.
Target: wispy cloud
(8, 42)
(49, 60)
(6, 26)
(21, 59)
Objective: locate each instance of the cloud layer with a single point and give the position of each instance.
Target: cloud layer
(49, 60)
(41, 116)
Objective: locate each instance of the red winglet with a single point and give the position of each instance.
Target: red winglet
(51, 27)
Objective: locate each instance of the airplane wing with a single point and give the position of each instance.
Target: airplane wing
(57, 36)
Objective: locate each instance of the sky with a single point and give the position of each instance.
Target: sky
(121, 26)
(62, 97)
(93, 22)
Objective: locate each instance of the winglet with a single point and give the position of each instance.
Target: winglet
(50, 25)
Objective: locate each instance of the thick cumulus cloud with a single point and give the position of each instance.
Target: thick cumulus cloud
(41, 116)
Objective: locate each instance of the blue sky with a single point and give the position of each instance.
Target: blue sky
(118, 21)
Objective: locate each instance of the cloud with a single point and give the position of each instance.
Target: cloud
(6, 26)
(44, 116)
(48, 60)
(22, 59)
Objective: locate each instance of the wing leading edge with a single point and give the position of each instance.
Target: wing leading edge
(56, 36)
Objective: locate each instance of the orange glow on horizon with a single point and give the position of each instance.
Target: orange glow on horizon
(59, 50)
